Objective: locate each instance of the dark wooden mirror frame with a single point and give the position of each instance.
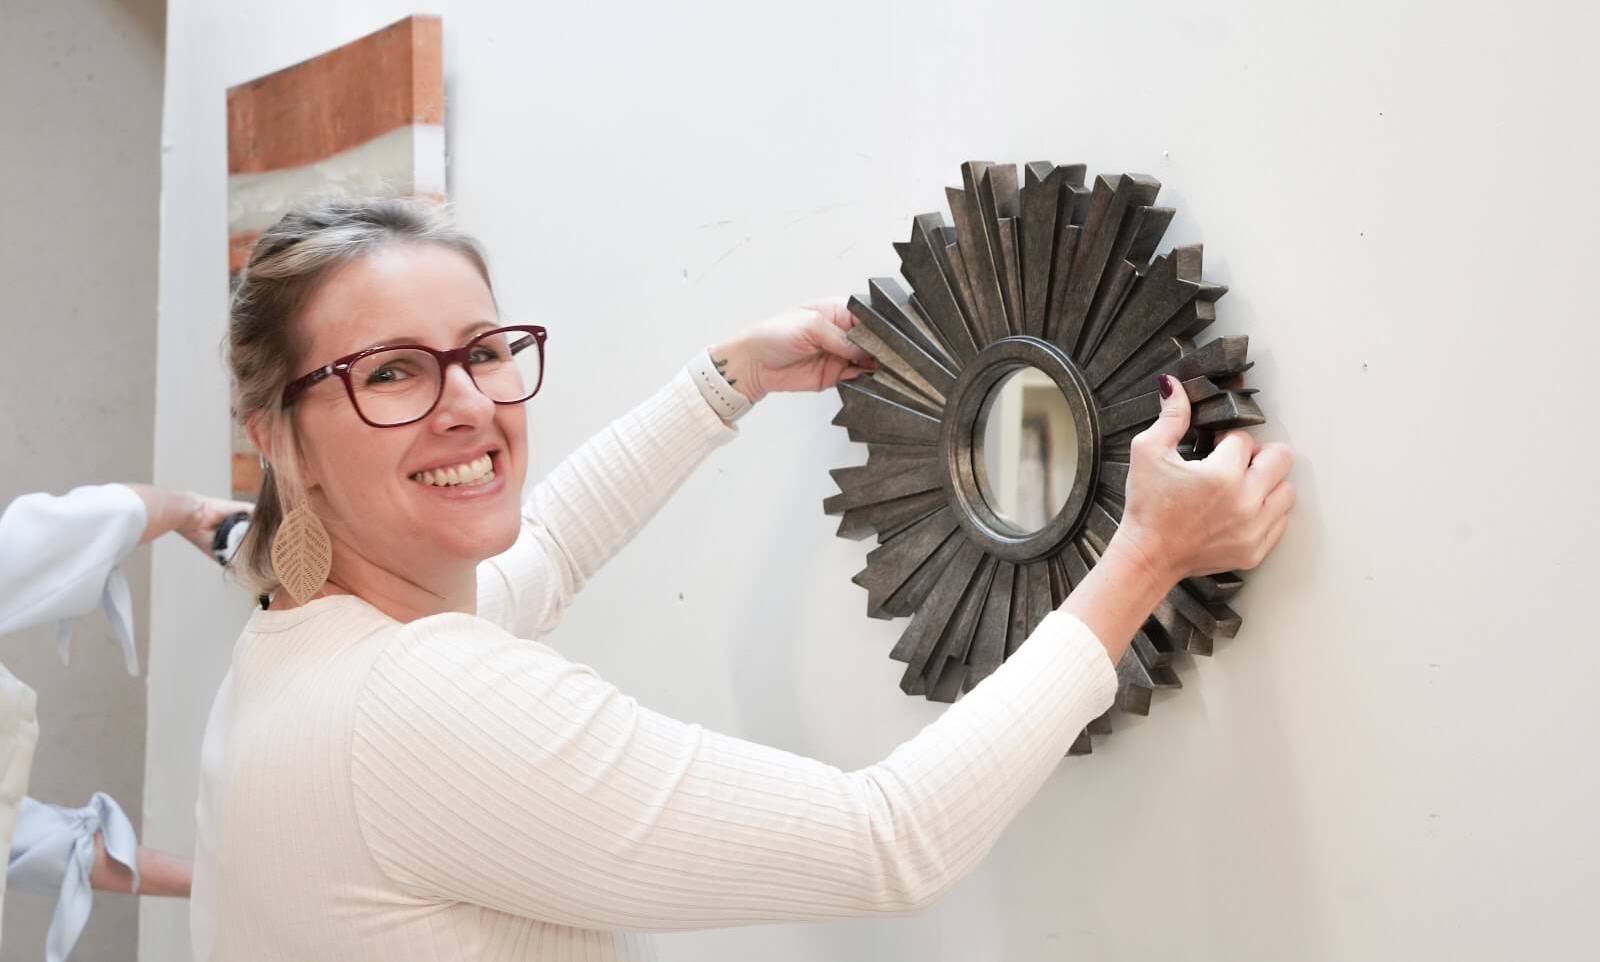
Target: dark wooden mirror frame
(1066, 278)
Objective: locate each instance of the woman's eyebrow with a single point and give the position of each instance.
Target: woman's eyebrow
(477, 327)
(466, 335)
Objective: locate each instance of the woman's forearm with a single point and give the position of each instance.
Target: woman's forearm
(1118, 595)
(160, 874)
(165, 510)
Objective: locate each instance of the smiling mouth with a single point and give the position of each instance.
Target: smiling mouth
(479, 470)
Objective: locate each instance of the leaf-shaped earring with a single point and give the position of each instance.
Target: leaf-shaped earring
(302, 555)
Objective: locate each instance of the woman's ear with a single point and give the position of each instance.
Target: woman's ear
(255, 429)
(268, 434)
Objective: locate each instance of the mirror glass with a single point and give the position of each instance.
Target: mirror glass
(1026, 448)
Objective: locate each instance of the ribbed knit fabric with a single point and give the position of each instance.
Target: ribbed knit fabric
(448, 790)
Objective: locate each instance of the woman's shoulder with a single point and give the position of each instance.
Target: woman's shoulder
(451, 676)
(446, 649)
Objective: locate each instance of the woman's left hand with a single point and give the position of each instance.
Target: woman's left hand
(804, 349)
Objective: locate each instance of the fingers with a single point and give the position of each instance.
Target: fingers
(850, 372)
(835, 309)
(1173, 423)
(1279, 502)
(1273, 536)
(831, 336)
(1234, 451)
(1268, 469)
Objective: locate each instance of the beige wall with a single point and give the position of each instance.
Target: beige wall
(80, 107)
(1395, 757)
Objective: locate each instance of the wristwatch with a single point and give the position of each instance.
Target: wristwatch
(723, 397)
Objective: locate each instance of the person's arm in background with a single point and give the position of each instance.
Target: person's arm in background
(194, 516)
(69, 852)
(160, 873)
(61, 556)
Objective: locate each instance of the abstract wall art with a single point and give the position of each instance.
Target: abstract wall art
(362, 119)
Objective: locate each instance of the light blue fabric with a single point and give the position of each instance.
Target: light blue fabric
(61, 556)
(52, 853)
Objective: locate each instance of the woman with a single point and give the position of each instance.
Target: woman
(393, 770)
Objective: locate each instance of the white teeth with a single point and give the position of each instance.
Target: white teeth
(473, 472)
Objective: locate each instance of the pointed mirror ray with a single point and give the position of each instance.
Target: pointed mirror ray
(1151, 229)
(893, 563)
(891, 300)
(917, 644)
(891, 450)
(869, 416)
(1036, 582)
(926, 476)
(910, 595)
(1041, 203)
(945, 668)
(903, 393)
(1118, 283)
(920, 263)
(888, 518)
(998, 206)
(1070, 217)
(905, 356)
(1111, 200)
(1171, 283)
(972, 240)
(989, 643)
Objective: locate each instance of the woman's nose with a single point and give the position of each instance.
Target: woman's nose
(461, 404)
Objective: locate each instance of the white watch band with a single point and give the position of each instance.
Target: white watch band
(723, 397)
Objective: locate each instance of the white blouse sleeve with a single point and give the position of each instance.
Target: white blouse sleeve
(52, 853)
(594, 502)
(489, 770)
(61, 556)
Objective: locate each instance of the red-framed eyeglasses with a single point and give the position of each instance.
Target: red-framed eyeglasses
(397, 384)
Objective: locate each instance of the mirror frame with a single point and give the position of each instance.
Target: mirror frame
(1053, 274)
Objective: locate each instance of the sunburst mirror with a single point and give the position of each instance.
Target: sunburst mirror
(1010, 380)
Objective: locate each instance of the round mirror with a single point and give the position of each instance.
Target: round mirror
(1026, 450)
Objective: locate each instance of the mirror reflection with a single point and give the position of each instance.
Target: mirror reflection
(1026, 448)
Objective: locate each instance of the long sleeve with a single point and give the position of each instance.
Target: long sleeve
(61, 556)
(52, 853)
(594, 502)
(488, 770)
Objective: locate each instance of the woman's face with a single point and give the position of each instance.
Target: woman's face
(377, 489)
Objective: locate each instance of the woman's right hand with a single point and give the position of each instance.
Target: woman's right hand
(1221, 513)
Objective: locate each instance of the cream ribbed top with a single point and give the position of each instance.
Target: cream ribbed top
(449, 790)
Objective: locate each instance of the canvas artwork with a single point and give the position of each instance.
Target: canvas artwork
(365, 118)
(1011, 379)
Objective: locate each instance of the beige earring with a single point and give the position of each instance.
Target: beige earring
(302, 555)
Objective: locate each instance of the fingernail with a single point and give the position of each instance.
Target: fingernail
(1164, 385)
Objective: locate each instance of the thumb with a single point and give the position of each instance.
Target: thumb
(1173, 423)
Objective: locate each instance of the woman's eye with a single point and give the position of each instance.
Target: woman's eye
(387, 374)
(483, 355)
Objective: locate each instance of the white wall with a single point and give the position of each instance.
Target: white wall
(80, 111)
(1395, 757)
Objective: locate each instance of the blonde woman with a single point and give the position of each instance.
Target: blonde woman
(395, 769)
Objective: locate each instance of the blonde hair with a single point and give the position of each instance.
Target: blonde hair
(287, 266)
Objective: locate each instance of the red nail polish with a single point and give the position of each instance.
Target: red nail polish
(1164, 385)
